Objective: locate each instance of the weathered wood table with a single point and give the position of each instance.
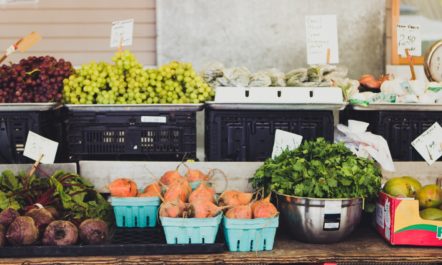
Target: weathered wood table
(364, 247)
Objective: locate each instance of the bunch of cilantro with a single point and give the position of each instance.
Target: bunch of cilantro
(319, 169)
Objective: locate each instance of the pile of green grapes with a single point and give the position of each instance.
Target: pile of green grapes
(127, 82)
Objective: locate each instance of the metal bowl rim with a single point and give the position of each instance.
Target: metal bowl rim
(320, 199)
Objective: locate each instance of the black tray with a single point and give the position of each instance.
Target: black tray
(127, 241)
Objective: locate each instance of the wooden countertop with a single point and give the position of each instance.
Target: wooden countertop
(364, 246)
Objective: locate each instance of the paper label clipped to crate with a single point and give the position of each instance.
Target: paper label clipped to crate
(429, 144)
(153, 119)
(285, 140)
(37, 145)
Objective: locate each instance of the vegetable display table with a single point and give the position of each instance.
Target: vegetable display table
(364, 246)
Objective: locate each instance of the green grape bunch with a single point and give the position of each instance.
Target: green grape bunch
(125, 81)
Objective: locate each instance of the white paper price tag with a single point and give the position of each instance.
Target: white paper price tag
(332, 207)
(122, 33)
(321, 35)
(429, 144)
(285, 140)
(409, 37)
(37, 145)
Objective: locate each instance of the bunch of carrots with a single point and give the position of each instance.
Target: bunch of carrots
(179, 201)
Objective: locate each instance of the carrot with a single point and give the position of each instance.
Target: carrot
(235, 198)
(179, 190)
(204, 209)
(196, 175)
(151, 190)
(173, 209)
(171, 176)
(264, 208)
(202, 192)
(123, 187)
(240, 212)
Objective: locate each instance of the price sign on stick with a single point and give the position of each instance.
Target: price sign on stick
(322, 39)
(40, 148)
(429, 144)
(409, 37)
(285, 140)
(122, 33)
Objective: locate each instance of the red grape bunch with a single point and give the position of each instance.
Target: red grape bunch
(35, 79)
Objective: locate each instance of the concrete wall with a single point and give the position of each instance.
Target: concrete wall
(263, 33)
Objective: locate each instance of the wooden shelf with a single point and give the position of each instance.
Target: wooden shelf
(364, 246)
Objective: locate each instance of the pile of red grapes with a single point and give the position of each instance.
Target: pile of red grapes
(35, 79)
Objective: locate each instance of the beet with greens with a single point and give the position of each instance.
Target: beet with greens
(42, 218)
(94, 232)
(7, 216)
(60, 233)
(22, 231)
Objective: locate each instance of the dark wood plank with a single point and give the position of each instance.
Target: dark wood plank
(363, 246)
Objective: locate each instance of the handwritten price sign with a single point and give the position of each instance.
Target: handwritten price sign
(409, 37)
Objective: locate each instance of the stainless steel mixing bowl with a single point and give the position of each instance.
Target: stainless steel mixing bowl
(320, 220)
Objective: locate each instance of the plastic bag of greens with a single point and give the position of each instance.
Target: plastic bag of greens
(334, 73)
(277, 77)
(296, 77)
(349, 87)
(314, 74)
(260, 79)
(238, 76)
(222, 81)
(212, 71)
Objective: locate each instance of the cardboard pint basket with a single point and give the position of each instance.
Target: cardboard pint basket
(398, 221)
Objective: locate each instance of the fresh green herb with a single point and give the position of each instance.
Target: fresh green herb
(319, 169)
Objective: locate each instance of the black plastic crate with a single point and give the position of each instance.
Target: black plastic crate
(248, 135)
(14, 128)
(126, 241)
(399, 128)
(131, 135)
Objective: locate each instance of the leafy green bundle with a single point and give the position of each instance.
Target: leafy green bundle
(72, 195)
(319, 169)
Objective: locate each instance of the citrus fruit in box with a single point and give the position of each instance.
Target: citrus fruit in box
(429, 196)
(402, 186)
(431, 214)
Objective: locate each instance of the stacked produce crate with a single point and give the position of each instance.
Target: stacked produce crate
(29, 92)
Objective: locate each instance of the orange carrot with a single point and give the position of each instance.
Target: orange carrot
(235, 198)
(179, 190)
(264, 208)
(196, 175)
(170, 177)
(123, 187)
(173, 209)
(202, 193)
(204, 209)
(152, 190)
(240, 212)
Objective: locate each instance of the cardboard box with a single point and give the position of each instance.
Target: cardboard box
(398, 221)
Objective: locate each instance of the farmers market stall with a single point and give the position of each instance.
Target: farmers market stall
(307, 190)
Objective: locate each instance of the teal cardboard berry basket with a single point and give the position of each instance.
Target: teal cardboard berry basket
(135, 211)
(191, 230)
(250, 234)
